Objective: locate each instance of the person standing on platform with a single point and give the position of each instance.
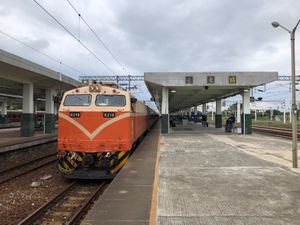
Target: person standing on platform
(230, 123)
(204, 121)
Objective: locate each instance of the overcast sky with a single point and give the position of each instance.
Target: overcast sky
(152, 35)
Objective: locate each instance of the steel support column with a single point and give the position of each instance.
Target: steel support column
(165, 125)
(27, 117)
(246, 116)
(50, 115)
(218, 116)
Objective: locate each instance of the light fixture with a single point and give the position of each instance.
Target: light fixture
(275, 24)
(294, 105)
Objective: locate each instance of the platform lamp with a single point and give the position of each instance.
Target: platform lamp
(294, 106)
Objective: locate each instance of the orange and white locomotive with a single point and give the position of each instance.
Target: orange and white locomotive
(98, 126)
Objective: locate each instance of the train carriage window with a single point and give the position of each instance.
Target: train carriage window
(78, 100)
(110, 100)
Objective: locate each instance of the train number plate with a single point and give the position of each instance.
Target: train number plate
(75, 114)
(108, 114)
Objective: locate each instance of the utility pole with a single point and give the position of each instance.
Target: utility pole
(284, 117)
(294, 105)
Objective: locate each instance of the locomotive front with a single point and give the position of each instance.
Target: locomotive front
(94, 132)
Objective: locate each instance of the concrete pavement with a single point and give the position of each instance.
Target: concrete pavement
(209, 177)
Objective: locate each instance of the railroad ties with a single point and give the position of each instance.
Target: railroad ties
(274, 131)
(27, 167)
(63, 208)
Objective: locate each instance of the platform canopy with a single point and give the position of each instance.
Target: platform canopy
(188, 89)
(16, 71)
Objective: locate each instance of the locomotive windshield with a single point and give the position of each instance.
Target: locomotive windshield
(110, 100)
(78, 100)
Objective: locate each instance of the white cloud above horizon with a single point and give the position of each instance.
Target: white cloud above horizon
(175, 36)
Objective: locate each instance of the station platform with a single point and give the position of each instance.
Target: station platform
(205, 176)
(128, 199)
(10, 139)
(10, 125)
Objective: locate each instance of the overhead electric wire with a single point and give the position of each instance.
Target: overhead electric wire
(42, 53)
(52, 58)
(70, 33)
(96, 35)
(15, 39)
(268, 96)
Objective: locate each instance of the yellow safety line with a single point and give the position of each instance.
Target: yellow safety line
(153, 212)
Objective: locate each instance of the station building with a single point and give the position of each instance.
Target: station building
(25, 81)
(177, 91)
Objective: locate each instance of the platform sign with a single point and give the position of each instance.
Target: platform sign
(210, 79)
(109, 115)
(232, 79)
(75, 114)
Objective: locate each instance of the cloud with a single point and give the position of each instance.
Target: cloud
(168, 35)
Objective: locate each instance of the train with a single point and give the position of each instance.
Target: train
(98, 127)
(14, 116)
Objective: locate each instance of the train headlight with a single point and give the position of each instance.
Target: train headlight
(91, 88)
(108, 154)
(95, 88)
(74, 156)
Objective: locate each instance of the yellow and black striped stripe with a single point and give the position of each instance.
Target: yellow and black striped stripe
(120, 162)
(71, 161)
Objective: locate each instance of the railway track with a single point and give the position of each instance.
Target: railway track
(10, 125)
(68, 206)
(274, 131)
(19, 170)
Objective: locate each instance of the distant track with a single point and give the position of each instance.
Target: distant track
(274, 131)
(12, 173)
(68, 206)
(8, 126)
